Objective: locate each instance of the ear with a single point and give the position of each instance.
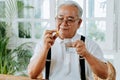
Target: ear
(79, 23)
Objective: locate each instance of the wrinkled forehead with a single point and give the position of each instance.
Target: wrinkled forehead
(68, 10)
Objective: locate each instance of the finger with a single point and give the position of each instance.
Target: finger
(77, 44)
(79, 49)
(49, 31)
(49, 36)
(55, 35)
(80, 43)
(74, 44)
(52, 34)
(50, 41)
(81, 52)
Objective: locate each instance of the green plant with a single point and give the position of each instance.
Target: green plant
(2, 29)
(4, 68)
(6, 60)
(16, 60)
(24, 30)
(23, 54)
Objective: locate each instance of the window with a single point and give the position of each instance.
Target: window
(27, 19)
(30, 18)
(2, 9)
(33, 18)
(98, 23)
(98, 20)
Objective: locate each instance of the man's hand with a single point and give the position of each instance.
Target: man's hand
(49, 38)
(80, 48)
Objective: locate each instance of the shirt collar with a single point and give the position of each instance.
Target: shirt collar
(59, 40)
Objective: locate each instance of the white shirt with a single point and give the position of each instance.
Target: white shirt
(65, 66)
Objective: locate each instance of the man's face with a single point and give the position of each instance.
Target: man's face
(67, 21)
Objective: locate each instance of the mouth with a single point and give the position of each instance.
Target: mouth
(64, 28)
(64, 31)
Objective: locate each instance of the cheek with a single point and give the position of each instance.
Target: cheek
(73, 29)
(57, 26)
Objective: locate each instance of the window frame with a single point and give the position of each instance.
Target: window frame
(110, 21)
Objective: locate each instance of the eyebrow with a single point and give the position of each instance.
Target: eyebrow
(71, 17)
(67, 17)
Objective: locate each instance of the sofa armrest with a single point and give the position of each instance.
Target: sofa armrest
(111, 73)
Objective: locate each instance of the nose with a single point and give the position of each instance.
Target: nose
(64, 22)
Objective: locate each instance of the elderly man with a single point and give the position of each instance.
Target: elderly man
(64, 65)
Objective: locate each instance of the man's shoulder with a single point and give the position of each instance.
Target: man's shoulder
(87, 39)
(77, 34)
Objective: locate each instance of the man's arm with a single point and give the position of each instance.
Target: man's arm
(98, 66)
(37, 64)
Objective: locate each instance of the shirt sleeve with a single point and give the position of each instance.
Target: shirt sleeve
(95, 49)
(37, 50)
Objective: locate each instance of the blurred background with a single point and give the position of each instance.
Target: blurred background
(22, 23)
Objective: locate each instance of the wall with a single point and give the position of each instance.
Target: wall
(117, 26)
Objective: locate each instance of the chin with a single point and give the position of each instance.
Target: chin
(63, 37)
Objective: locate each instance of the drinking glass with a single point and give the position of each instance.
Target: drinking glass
(69, 46)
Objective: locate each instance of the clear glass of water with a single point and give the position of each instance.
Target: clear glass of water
(69, 46)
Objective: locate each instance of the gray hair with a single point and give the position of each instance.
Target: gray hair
(72, 3)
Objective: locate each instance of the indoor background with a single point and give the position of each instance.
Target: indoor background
(22, 23)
